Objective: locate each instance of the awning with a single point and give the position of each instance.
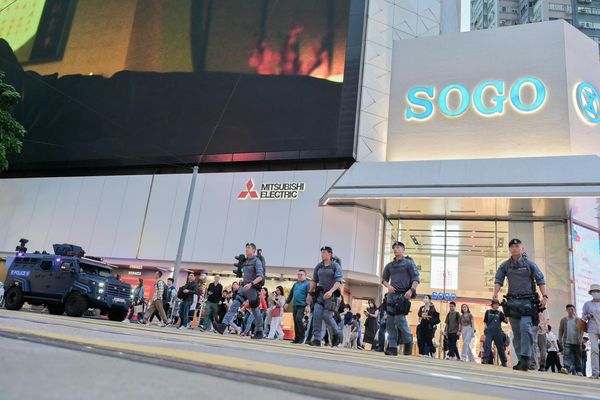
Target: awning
(521, 184)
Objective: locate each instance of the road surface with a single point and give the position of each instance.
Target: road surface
(57, 357)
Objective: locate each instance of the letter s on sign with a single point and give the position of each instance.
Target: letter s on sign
(424, 103)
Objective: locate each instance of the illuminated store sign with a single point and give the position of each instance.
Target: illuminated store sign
(588, 102)
(489, 99)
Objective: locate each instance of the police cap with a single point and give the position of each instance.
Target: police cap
(514, 241)
(327, 249)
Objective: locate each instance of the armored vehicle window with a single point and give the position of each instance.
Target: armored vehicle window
(65, 266)
(46, 265)
(94, 270)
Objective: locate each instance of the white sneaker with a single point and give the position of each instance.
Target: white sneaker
(126, 321)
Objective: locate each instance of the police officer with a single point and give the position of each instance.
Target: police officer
(522, 299)
(326, 285)
(252, 280)
(401, 279)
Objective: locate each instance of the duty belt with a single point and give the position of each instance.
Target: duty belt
(520, 296)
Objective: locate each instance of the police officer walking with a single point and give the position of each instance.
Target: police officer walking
(522, 299)
(401, 279)
(326, 284)
(252, 281)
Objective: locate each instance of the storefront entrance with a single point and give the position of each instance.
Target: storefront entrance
(458, 259)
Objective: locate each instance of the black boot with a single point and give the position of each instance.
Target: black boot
(315, 343)
(335, 341)
(258, 335)
(220, 327)
(408, 349)
(392, 351)
(524, 365)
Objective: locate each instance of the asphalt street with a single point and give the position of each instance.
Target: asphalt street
(67, 357)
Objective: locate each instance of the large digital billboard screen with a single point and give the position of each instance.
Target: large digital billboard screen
(129, 84)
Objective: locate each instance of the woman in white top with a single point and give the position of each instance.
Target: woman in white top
(591, 314)
(277, 314)
(552, 359)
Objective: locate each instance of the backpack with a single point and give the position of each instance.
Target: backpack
(264, 264)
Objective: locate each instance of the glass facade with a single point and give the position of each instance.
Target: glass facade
(460, 257)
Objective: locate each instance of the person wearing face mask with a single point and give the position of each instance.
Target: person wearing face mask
(591, 314)
(428, 319)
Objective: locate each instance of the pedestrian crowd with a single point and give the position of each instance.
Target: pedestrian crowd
(321, 317)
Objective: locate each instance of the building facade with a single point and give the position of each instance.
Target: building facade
(462, 142)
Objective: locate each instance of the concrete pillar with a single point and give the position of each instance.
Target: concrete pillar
(450, 17)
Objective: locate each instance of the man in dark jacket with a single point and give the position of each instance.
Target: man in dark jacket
(188, 290)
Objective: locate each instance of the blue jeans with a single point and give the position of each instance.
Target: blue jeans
(249, 322)
(395, 323)
(185, 313)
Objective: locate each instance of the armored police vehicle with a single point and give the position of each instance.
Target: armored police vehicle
(66, 282)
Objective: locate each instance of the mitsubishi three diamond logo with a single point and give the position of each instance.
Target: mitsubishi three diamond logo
(249, 192)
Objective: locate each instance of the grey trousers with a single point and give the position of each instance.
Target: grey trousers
(321, 315)
(522, 330)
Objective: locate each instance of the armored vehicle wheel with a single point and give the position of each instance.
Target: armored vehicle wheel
(56, 309)
(117, 315)
(14, 299)
(76, 305)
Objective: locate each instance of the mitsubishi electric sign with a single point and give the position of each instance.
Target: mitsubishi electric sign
(509, 92)
(272, 191)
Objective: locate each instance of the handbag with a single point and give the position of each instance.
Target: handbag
(582, 325)
(138, 308)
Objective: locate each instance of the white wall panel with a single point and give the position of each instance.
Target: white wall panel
(107, 217)
(179, 205)
(365, 254)
(159, 217)
(41, 217)
(131, 216)
(190, 239)
(305, 221)
(64, 213)
(338, 231)
(86, 211)
(213, 204)
(14, 221)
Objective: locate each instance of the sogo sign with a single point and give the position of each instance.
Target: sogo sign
(421, 99)
(489, 99)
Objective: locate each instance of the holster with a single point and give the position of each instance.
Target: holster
(397, 304)
(331, 304)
